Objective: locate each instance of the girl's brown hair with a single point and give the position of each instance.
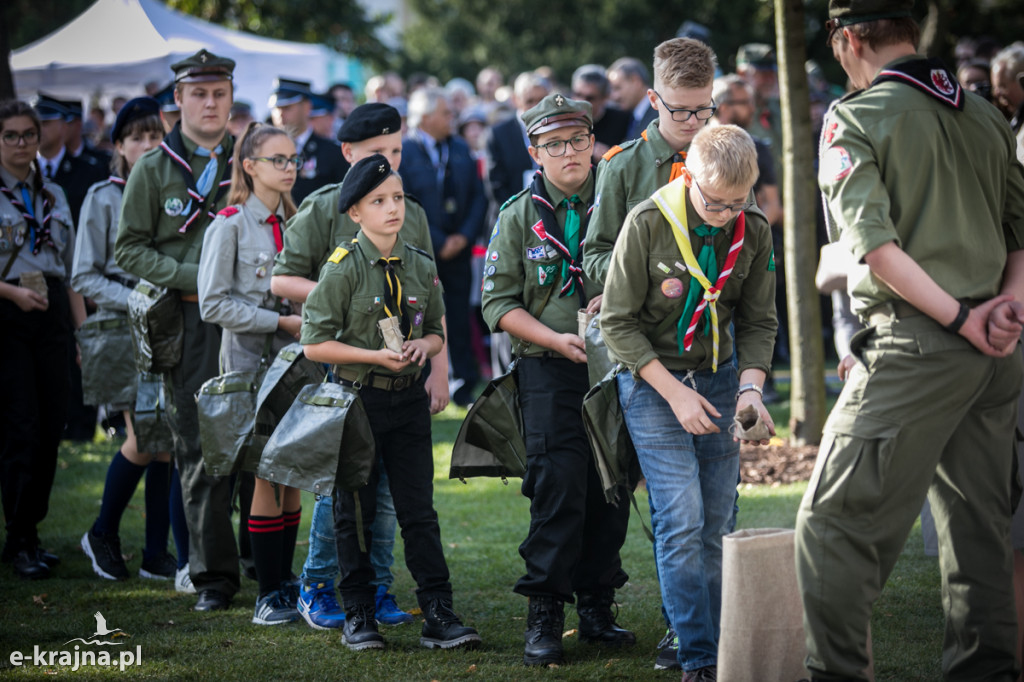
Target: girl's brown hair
(13, 108)
(143, 124)
(241, 182)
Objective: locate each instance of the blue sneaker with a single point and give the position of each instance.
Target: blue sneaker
(319, 607)
(388, 612)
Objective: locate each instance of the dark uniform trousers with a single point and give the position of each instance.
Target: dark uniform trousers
(456, 276)
(925, 414)
(213, 556)
(575, 534)
(400, 421)
(34, 385)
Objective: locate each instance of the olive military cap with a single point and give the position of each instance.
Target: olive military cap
(847, 12)
(557, 111)
(203, 66)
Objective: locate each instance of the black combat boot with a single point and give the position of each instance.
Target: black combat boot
(544, 624)
(597, 624)
(360, 631)
(442, 629)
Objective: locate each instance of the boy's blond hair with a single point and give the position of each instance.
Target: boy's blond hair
(684, 63)
(723, 156)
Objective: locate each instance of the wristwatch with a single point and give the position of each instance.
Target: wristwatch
(749, 387)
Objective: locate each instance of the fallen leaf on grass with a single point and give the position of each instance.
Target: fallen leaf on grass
(569, 633)
(39, 599)
(416, 611)
(611, 662)
(453, 545)
(472, 668)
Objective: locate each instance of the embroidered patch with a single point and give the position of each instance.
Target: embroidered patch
(418, 319)
(493, 256)
(550, 252)
(545, 275)
(174, 206)
(436, 280)
(681, 267)
(672, 287)
(490, 270)
(830, 132)
(771, 261)
(664, 268)
(338, 254)
(413, 300)
(228, 212)
(538, 230)
(535, 252)
(494, 232)
(941, 82)
(488, 285)
(836, 163)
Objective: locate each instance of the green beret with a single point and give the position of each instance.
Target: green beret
(557, 111)
(365, 176)
(847, 12)
(203, 66)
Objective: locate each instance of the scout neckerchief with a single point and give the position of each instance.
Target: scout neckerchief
(678, 161)
(174, 147)
(39, 234)
(393, 293)
(671, 201)
(570, 245)
(930, 76)
(275, 223)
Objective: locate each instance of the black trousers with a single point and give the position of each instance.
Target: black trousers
(575, 535)
(213, 555)
(400, 421)
(456, 276)
(34, 386)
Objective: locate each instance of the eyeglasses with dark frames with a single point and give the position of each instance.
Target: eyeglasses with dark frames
(580, 143)
(716, 207)
(683, 115)
(280, 162)
(11, 138)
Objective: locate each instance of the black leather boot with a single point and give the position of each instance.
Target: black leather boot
(544, 624)
(597, 624)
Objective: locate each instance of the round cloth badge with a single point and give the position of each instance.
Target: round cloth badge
(672, 287)
(490, 270)
(174, 206)
(489, 286)
(261, 271)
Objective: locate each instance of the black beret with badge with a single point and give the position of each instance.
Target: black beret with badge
(288, 91)
(557, 111)
(133, 109)
(366, 175)
(202, 67)
(847, 12)
(370, 120)
(49, 108)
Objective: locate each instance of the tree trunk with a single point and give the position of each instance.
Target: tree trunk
(6, 77)
(807, 397)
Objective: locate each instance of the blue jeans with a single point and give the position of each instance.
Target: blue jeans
(322, 561)
(692, 484)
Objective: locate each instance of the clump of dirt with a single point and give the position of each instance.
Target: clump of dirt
(776, 464)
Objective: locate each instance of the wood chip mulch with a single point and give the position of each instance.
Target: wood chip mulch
(776, 464)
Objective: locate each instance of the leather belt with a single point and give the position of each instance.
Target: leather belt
(381, 382)
(900, 309)
(190, 298)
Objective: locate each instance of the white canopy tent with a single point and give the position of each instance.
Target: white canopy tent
(117, 46)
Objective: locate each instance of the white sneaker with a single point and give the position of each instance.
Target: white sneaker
(183, 581)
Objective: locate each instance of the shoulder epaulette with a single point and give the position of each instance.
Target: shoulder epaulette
(419, 251)
(514, 197)
(338, 254)
(412, 197)
(622, 147)
(228, 211)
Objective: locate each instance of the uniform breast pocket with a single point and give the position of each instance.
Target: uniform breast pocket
(60, 233)
(7, 233)
(669, 283)
(366, 310)
(416, 308)
(254, 266)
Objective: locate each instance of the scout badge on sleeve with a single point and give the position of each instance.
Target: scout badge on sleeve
(105, 342)
(157, 327)
(490, 440)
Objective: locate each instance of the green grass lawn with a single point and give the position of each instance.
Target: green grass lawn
(482, 524)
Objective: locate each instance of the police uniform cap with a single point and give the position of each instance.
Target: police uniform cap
(557, 111)
(203, 66)
(239, 108)
(137, 108)
(165, 97)
(322, 105)
(847, 12)
(49, 108)
(288, 91)
(370, 120)
(757, 55)
(74, 108)
(365, 175)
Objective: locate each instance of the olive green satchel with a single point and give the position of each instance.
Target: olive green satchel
(105, 340)
(157, 327)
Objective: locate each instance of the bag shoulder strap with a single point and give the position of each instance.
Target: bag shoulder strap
(10, 261)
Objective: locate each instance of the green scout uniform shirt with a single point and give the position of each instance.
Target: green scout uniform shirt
(522, 269)
(318, 228)
(148, 242)
(623, 181)
(634, 304)
(348, 301)
(956, 221)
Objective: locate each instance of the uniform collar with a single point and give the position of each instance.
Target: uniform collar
(55, 161)
(303, 138)
(372, 253)
(586, 192)
(662, 150)
(12, 181)
(191, 146)
(259, 212)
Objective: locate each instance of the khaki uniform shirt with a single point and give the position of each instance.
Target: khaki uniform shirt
(348, 301)
(634, 304)
(95, 273)
(522, 269)
(234, 282)
(149, 244)
(623, 181)
(52, 263)
(318, 228)
(957, 220)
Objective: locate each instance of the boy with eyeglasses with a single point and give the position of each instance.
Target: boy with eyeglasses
(533, 287)
(691, 262)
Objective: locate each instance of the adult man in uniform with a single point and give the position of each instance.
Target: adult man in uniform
(75, 143)
(172, 195)
(312, 235)
(510, 167)
(920, 183)
(611, 125)
(290, 106)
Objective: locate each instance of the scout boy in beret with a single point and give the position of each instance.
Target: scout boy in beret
(377, 276)
(533, 287)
